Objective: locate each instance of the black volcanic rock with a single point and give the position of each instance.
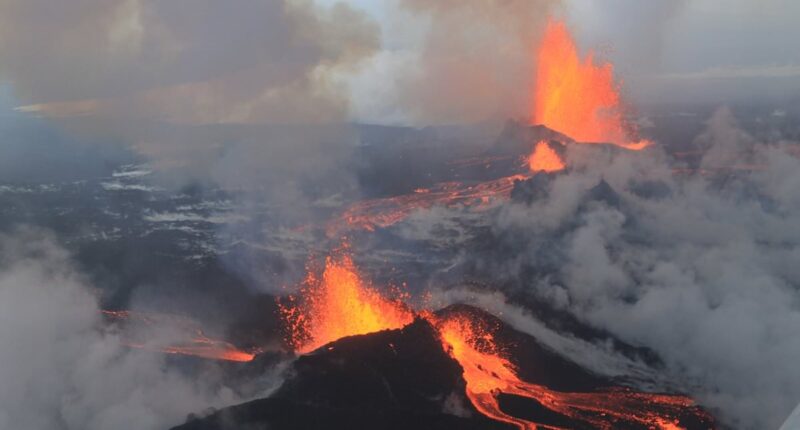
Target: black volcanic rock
(391, 379)
(653, 190)
(603, 192)
(518, 138)
(532, 189)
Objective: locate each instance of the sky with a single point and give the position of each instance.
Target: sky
(306, 61)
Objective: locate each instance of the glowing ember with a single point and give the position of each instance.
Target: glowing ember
(545, 159)
(488, 373)
(339, 305)
(577, 97)
(190, 338)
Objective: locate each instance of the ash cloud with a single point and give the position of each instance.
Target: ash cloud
(63, 369)
(702, 272)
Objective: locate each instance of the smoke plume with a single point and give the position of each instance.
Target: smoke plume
(700, 270)
(453, 62)
(62, 369)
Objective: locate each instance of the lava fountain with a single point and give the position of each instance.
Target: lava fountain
(575, 96)
(338, 305)
(545, 159)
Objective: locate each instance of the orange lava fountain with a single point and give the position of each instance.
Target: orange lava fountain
(545, 159)
(488, 373)
(339, 305)
(576, 96)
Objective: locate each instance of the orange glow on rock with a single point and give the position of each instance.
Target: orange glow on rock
(545, 159)
(576, 96)
(339, 305)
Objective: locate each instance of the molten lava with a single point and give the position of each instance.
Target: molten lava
(189, 337)
(384, 212)
(488, 373)
(339, 305)
(576, 96)
(545, 159)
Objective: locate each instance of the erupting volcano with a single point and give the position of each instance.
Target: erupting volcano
(576, 96)
(341, 305)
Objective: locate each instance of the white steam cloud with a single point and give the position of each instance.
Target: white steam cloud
(703, 271)
(61, 369)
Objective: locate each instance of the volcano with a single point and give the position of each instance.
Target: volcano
(405, 378)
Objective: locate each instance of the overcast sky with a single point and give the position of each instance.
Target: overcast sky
(388, 61)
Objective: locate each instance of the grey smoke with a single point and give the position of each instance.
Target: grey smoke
(63, 369)
(446, 62)
(705, 274)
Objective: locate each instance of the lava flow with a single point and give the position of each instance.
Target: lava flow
(388, 211)
(338, 305)
(488, 374)
(190, 338)
(577, 97)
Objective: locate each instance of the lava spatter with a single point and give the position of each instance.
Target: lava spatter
(338, 304)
